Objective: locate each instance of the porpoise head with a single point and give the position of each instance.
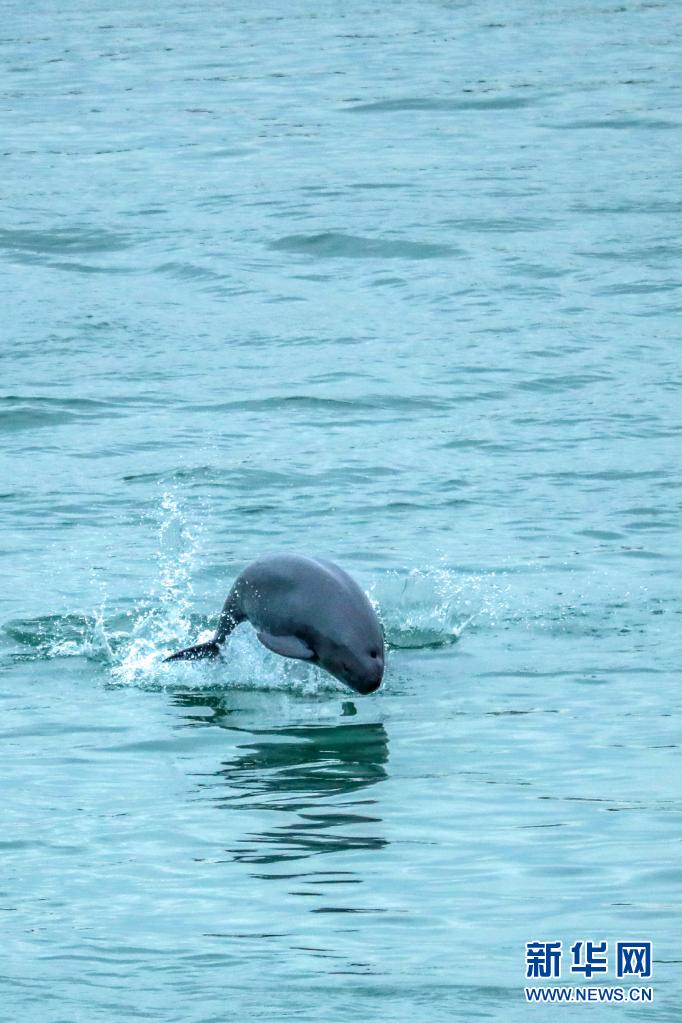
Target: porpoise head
(357, 660)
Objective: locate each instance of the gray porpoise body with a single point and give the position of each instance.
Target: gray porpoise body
(306, 608)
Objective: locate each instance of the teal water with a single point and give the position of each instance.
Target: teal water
(398, 285)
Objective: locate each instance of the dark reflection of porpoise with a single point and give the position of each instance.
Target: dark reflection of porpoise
(316, 776)
(304, 772)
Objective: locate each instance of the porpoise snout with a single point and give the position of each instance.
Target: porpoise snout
(369, 682)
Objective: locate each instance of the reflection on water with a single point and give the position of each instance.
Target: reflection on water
(314, 776)
(304, 772)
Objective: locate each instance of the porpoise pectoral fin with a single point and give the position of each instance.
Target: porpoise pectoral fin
(287, 646)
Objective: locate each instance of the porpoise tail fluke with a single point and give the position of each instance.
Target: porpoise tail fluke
(196, 653)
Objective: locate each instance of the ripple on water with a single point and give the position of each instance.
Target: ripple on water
(61, 241)
(436, 104)
(29, 412)
(337, 245)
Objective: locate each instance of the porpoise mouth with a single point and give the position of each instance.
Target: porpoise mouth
(362, 682)
(366, 686)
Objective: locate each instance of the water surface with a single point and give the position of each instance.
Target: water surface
(395, 285)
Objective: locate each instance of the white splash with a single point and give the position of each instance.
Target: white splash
(433, 606)
(163, 623)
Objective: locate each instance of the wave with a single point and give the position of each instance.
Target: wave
(336, 245)
(63, 240)
(408, 104)
(19, 412)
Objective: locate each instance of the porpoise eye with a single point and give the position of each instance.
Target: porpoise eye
(373, 653)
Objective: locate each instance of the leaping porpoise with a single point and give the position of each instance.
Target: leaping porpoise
(306, 608)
